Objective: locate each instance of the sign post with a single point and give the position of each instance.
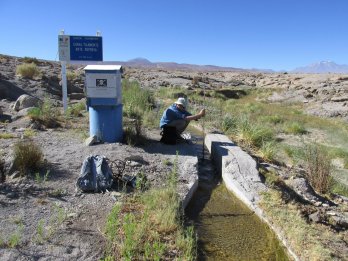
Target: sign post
(77, 48)
(64, 86)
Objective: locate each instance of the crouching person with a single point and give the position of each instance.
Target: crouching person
(175, 119)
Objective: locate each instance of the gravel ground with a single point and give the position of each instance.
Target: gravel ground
(55, 221)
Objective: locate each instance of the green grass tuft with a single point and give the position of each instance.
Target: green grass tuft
(75, 110)
(6, 135)
(46, 114)
(295, 128)
(253, 134)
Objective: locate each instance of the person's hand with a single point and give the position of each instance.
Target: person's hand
(202, 113)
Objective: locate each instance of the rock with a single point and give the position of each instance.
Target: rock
(10, 91)
(116, 193)
(317, 204)
(21, 130)
(25, 101)
(331, 213)
(308, 95)
(340, 220)
(315, 217)
(91, 140)
(14, 117)
(24, 112)
(9, 166)
(301, 184)
(339, 98)
(72, 215)
(77, 96)
(134, 164)
(15, 175)
(12, 195)
(74, 88)
(136, 158)
(51, 84)
(36, 126)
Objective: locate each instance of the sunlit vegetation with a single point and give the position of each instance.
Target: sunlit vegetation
(28, 70)
(275, 132)
(6, 135)
(28, 157)
(138, 110)
(149, 226)
(299, 232)
(46, 114)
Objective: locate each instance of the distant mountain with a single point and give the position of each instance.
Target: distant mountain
(142, 62)
(323, 67)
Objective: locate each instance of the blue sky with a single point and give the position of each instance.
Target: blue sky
(267, 34)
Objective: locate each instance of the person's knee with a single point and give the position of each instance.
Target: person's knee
(180, 125)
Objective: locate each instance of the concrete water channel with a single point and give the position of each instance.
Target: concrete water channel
(226, 228)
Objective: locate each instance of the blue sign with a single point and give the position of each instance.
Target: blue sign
(86, 48)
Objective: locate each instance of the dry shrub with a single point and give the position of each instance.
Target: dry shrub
(28, 70)
(195, 80)
(319, 167)
(28, 156)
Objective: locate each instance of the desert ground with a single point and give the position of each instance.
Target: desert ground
(25, 201)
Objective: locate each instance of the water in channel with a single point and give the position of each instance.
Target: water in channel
(226, 228)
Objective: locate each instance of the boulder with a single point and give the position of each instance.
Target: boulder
(303, 189)
(25, 101)
(10, 91)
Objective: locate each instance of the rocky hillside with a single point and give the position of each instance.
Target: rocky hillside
(321, 94)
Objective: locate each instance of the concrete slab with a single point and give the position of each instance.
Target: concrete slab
(240, 174)
(186, 156)
(238, 169)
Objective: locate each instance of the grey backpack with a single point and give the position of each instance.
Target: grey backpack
(95, 175)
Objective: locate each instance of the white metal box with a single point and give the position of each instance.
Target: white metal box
(103, 81)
